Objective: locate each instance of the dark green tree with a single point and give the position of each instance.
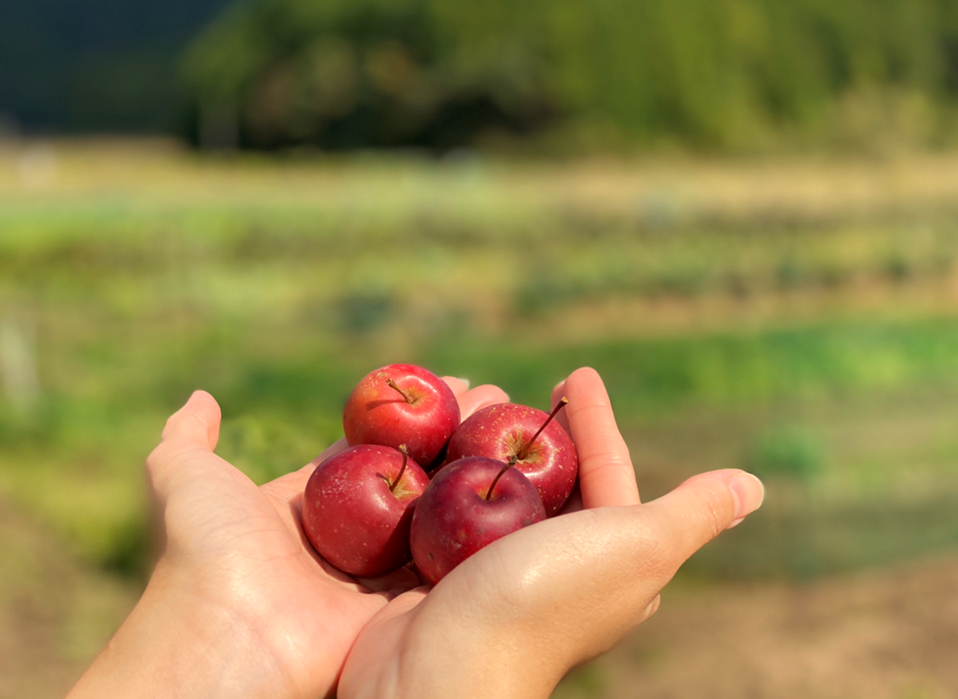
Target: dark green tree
(713, 73)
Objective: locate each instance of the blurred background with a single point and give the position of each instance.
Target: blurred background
(741, 212)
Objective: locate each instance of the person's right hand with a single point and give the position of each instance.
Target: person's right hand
(511, 620)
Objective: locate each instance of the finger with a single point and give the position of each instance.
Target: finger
(458, 386)
(701, 508)
(189, 437)
(195, 424)
(606, 475)
(481, 397)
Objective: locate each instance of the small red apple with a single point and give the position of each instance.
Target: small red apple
(469, 504)
(402, 404)
(526, 437)
(358, 506)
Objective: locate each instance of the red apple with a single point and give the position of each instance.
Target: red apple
(358, 506)
(402, 404)
(469, 504)
(538, 446)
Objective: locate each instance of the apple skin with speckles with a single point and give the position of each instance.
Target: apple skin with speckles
(352, 514)
(402, 404)
(454, 519)
(500, 431)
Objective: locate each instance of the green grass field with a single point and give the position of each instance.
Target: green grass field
(795, 318)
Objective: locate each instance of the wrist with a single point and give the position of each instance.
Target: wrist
(181, 640)
(473, 655)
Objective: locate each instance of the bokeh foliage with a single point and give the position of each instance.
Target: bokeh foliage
(784, 324)
(740, 74)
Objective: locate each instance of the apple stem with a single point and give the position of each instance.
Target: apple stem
(406, 396)
(402, 469)
(524, 452)
(498, 476)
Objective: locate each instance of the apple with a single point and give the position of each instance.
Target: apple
(469, 504)
(358, 506)
(402, 404)
(526, 437)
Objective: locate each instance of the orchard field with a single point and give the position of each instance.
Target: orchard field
(795, 317)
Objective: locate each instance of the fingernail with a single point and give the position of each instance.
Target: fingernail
(193, 396)
(748, 493)
(465, 381)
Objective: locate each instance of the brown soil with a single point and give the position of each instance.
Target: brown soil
(889, 634)
(55, 613)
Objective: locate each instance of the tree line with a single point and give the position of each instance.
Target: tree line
(556, 74)
(724, 74)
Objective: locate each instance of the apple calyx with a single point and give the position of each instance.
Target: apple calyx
(405, 394)
(402, 469)
(524, 451)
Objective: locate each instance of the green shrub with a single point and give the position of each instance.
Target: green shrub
(786, 452)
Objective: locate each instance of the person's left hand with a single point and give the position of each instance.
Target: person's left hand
(239, 603)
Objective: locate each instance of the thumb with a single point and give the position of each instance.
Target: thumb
(618, 559)
(191, 432)
(700, 509)
(196, 424)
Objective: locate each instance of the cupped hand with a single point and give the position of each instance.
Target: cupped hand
(515, 617)
(237, 584)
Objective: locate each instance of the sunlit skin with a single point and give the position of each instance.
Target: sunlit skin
(237, 560)
(240, 606)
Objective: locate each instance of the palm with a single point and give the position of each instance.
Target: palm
(248, 540)
(243, 539)
(509, 570)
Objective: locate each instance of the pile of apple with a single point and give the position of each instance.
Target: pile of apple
(373, 507)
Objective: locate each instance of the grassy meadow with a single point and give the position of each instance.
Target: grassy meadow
(798, 318)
